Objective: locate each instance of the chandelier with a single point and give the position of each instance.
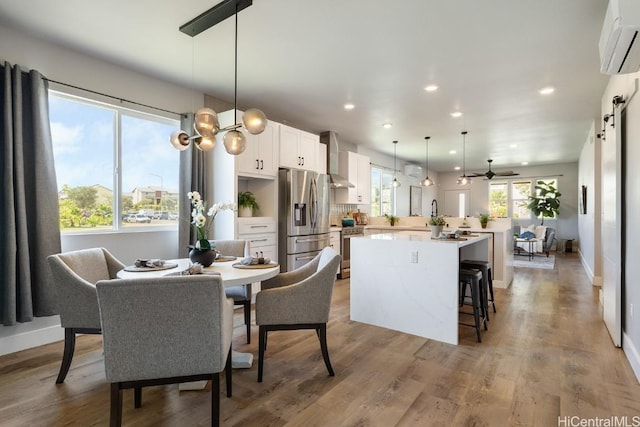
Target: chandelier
(205, 124)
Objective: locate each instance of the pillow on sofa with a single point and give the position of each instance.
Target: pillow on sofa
(541, 231)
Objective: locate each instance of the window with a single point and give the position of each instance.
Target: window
(510, 198)
(382, 193)
(92, 141)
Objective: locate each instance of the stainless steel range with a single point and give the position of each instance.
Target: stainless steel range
(347, 234)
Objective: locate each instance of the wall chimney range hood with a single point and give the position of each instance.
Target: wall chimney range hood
(330, 139)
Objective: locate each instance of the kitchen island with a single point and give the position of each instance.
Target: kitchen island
(408, 282)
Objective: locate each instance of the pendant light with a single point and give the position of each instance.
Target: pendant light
(206, 124)
(427, 182)
(395, 183)
(464, 179)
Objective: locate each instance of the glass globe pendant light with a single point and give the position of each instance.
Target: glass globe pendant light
(427, 182)
(395, 183)
(464, 179)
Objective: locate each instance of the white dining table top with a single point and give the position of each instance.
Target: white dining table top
(231, 276)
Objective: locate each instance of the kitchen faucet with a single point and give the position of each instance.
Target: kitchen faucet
(434, 208)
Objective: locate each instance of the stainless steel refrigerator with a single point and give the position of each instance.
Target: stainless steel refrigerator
(303, 225)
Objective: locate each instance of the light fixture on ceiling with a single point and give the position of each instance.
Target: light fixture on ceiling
(427, 182)
(548, 90)
(349, 106)
(464, 179)
(206, 124)
(431, 88)
(456, 114)
(386, 125)
(395, 183)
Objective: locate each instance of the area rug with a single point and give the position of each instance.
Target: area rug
(538, 261)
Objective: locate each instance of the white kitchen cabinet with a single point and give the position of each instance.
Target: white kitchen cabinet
(298, 149)
(335, 241)
(260, 233)
(260, 159)
(357, 169)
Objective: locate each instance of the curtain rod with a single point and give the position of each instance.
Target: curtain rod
(113, 97)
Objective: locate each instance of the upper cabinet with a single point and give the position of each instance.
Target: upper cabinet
(260, 159)
(298, 149)
(357, 169)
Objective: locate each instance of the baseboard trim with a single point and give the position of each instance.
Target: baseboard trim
(632, 354)
(30, 339)
(586, 267)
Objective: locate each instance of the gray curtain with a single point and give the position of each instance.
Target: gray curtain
(193, 167)
(29, 194)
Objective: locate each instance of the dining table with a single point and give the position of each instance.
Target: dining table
(232, 272)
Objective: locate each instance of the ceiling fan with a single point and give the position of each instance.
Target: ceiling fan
(490, 174)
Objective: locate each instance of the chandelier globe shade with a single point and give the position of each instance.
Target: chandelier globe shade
(205, 143)
(234, 142)
(180, 140)
(206, 122)
(254, 121)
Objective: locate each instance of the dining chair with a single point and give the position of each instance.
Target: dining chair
(241, 294)
(74, 275)
(299, 299)
(165, 330)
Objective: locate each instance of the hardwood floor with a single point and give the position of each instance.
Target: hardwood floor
(546, 354)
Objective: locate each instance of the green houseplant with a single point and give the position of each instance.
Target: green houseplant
(545, 202)
(436, 224)
(392, 219)
(247, 203)
(484, 219)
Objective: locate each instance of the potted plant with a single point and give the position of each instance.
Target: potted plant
(484, 219)
(392, 219)
(436, 224)
(545, 202)
(247, 203)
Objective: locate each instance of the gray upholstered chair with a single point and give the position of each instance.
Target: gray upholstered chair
(298, 299)
(165, 330)
(549, 237)
(75, 274)
(241, 294)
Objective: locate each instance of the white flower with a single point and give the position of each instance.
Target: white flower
(200, 220)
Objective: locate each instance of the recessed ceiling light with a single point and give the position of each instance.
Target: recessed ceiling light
(452, 152)
(513, 146)
(431, 88)
(524, 163)
(387, 125)
(457, 168)
(456, 114)
(349, 106)
(547, 90)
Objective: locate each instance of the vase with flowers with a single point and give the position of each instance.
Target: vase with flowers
(201, 220)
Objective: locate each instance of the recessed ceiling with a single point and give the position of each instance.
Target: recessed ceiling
(301, 60)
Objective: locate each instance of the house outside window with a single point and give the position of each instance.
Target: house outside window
(115, 167)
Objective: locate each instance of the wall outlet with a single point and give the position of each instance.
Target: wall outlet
(414, 257)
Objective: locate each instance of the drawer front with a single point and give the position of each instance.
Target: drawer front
(259, 240)
(250, 227)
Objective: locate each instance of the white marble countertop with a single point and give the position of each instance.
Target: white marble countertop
(422, 236)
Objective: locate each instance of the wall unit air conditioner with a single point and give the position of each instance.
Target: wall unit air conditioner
(620, 38)
(413, 170)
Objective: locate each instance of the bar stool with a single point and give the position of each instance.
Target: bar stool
(473, 278)
(485, 267)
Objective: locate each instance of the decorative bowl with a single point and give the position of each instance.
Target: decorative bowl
(348, 222)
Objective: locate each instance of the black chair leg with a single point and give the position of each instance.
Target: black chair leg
(262, 345)
(247, 319)
(137, 397)
(227, 372)
(215, 400)
(322, 334)
(115, 418)
(69, 347)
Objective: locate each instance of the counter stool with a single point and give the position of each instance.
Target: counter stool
(485, 267)
(473, 278)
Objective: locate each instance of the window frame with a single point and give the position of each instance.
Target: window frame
(118, 111)
(380, 185)
(511, 200)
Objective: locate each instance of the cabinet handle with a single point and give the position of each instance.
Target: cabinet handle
(258, 240)
(261, 254)
(258, 226)
(322, 239)
(257, 164)
(302, 161)
(261, 164)
(299, 258)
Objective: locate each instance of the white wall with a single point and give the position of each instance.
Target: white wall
(67, 66)
(567, 223)
(588, 173)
